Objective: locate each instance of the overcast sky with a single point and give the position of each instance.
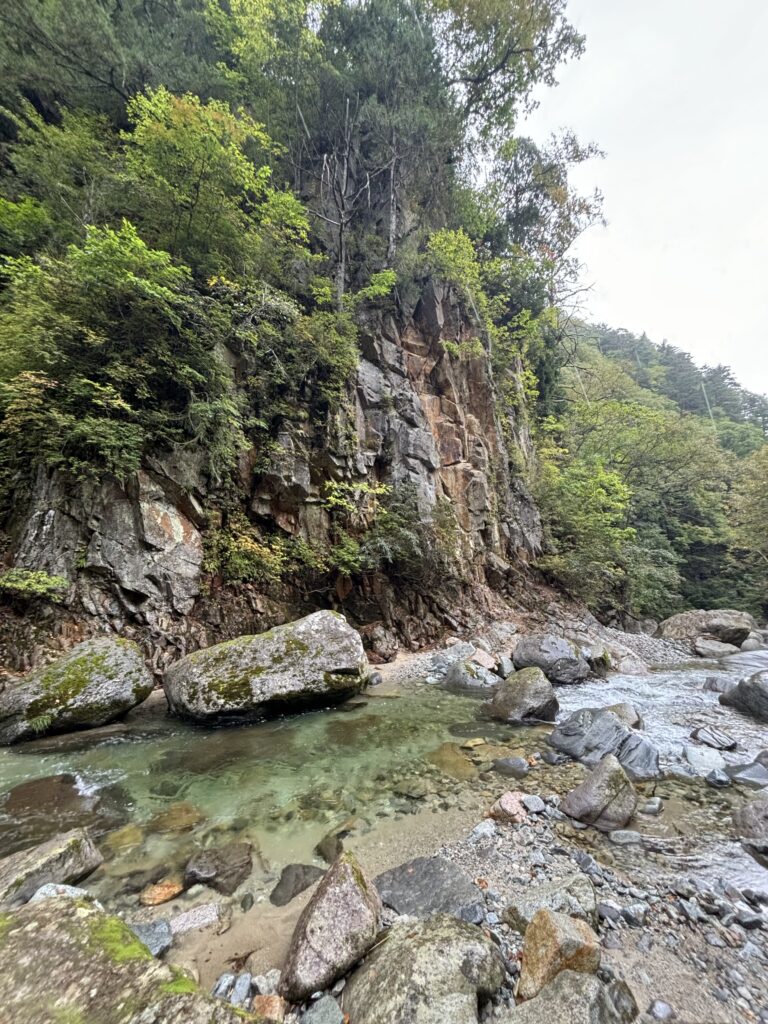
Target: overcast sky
(676, 94)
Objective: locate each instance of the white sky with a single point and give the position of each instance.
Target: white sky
(676, 94)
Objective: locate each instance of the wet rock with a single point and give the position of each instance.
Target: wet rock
(655, 805)
(430, 972)
(606, 799)
(524, 696)
(719, 684)
(450, 759)
(574, 896)
(509, 808)
(178, 817)
(294, 878)
(557, 658)
(512, 767)
(64, 859)
(222, 868)
(96, 682)
(725, 624)
(427, 885)
(704, 759)
(468, 676)
(717, 778)
(124, 838)
(750, 696)
(92, 965)
(590, 734)
(574, 998)
(706, 647)
(164, 891)
(317, 658)
(714, 737)
(336, 929)
(156, 935)
(627, 713)
(553, 943)
(754, 775)
(753, 643)
(33, 811)
(625, 837)
(751, 823)
(325, 1011)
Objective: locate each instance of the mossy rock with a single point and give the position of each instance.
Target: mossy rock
(66, 960)
(317, 659)
(93, 684)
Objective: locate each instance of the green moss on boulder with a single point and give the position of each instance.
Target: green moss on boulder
(316, 659)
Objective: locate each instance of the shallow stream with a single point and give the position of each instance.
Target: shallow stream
(153, 789)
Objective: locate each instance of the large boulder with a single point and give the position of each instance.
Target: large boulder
(64, 859)
(430, 972)
(525, 696)
(554, 943)
(707, 647)
(605, 799)
(590, 734)
(749, 695)
(574, 896)
(428, 885)
(314, 659)
(96, 682)
(724, 624)
(557, 658)
(66, 960)
(574, 998)
(470, 677)
(751, 823)
(336, 929)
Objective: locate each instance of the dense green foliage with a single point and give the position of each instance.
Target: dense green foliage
(200, 200)
(684, 453)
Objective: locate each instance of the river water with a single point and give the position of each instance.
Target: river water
(154, 789)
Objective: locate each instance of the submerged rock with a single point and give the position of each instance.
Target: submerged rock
(96, 682)
(557, 658)
(724, 624)
(429, 972)
(574, 896)
(426, 885)
(605, 799)
(590, 734)
(574, 998)
(553, 943)
(750, 696)
(64, 859)
(336, 929)
(69, 961)
(314, 659)
(524, 696)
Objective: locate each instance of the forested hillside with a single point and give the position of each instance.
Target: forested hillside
(654, 479)
(211, 212)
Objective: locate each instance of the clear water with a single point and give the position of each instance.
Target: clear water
(285, 784)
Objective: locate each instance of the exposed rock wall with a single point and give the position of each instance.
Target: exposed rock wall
(416, 414)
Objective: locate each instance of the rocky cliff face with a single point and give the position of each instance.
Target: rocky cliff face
(416, 415)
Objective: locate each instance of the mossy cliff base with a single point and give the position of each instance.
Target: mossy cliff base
(319, 658)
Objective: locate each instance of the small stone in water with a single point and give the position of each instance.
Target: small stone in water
(653, 806)
(246, 902)
(166, 889)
